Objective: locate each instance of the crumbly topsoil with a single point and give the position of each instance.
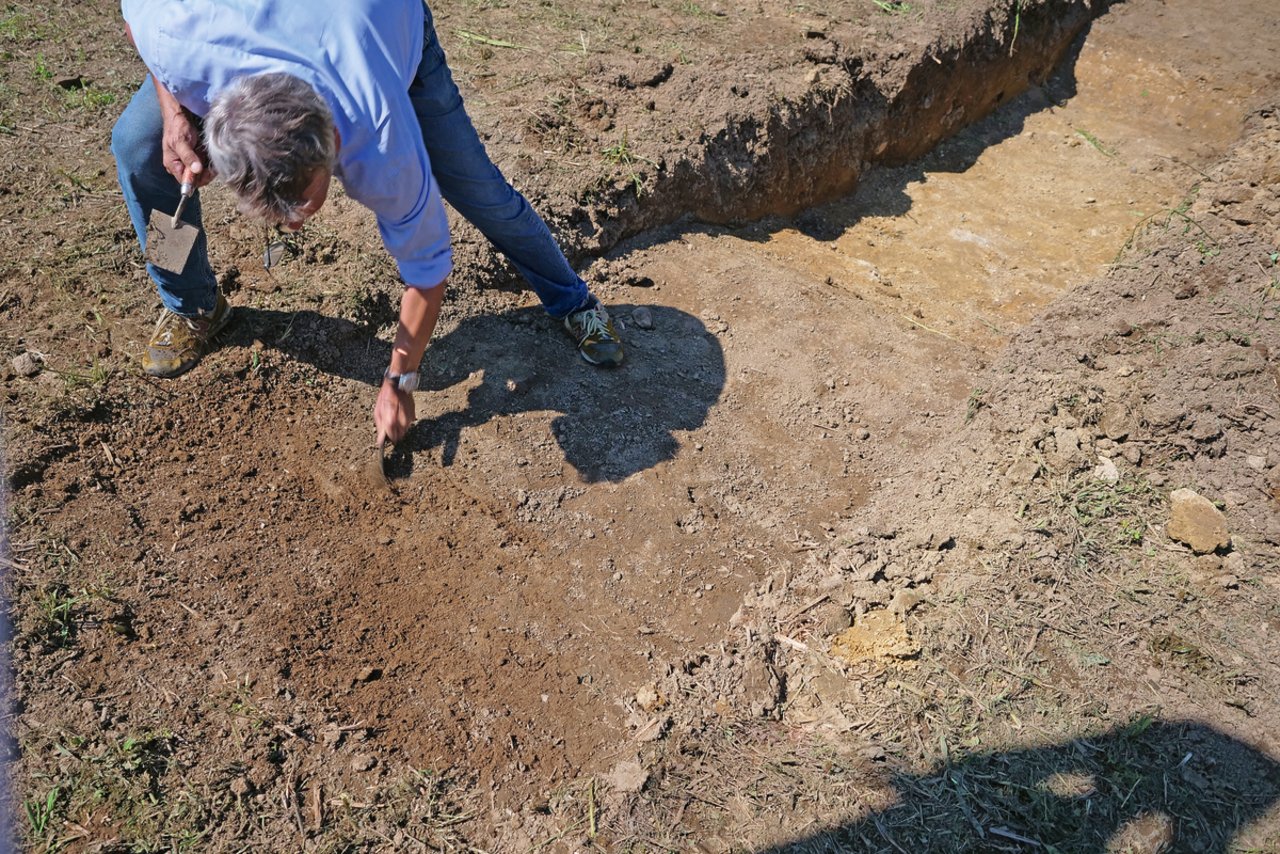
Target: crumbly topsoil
(741, 593)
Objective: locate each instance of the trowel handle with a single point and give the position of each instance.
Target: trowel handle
(186, 190)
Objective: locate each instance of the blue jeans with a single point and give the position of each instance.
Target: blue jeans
(468, 181)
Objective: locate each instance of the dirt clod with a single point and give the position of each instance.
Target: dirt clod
(1196, 522)
(627, 777)
(876, 636)
(27, 364)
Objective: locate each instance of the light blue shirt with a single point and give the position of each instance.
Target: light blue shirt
(360, 55)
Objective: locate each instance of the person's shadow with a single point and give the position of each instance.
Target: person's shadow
(612, 422)
(1148, 787)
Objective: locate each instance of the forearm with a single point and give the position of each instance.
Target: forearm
(419, 311)
(169, 106)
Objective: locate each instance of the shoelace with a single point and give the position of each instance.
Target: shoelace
(169, 319)
(594, 322)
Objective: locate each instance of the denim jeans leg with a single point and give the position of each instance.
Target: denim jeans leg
(474, 186)
(136, 143)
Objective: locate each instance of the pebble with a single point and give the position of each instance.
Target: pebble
(627, 777)
(642, 317)
(649, 699)
(363, 762)
(1195, 522)
(519, 384)
(1106, 471)
(27, 364)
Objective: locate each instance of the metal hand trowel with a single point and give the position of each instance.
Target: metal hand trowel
(170, 238)
(377, 472)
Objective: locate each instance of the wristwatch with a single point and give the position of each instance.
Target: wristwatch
(404, 382)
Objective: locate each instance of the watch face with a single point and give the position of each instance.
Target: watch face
(409, 381)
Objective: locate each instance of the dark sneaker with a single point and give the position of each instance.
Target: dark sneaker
(179, 342)
(594, 334)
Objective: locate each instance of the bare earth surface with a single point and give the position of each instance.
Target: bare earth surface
(880, 541)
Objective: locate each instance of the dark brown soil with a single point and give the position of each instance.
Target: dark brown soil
(612, 610)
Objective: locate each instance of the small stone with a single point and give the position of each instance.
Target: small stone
(1117, 422)
(363, 762)
(642, 317)
(1256, 463)
(519, 384)
(649, 699)
(331, 735)
(864, 434)
(241, 787)
(1234, 564)
(1106, 471)
(627, 777)
(27, 364)
(1196, 523)
(368, 674)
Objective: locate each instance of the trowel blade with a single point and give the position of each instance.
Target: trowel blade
(168, 247)
(378, 471)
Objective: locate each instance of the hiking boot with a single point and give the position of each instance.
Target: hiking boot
(594, 334)
(178, 342)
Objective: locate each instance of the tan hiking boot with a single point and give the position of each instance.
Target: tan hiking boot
(178, 342)
(593, 332)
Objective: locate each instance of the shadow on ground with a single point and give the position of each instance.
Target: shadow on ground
(611, 423)
(1146, 787)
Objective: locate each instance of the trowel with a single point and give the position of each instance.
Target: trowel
(377, 472)
(169, 237)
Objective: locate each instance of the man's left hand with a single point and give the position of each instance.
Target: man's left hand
(393, 414)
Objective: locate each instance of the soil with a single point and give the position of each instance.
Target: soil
(930, 308)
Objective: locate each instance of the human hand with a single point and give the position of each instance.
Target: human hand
(393, 414)
(183, 151)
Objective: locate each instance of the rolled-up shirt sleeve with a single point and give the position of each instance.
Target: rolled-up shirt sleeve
(410, 213)
(391, 175)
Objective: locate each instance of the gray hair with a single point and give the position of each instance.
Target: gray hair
(267, 134)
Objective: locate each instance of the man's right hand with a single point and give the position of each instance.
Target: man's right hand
(182, 149)
(393, 413)
(184, 156)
